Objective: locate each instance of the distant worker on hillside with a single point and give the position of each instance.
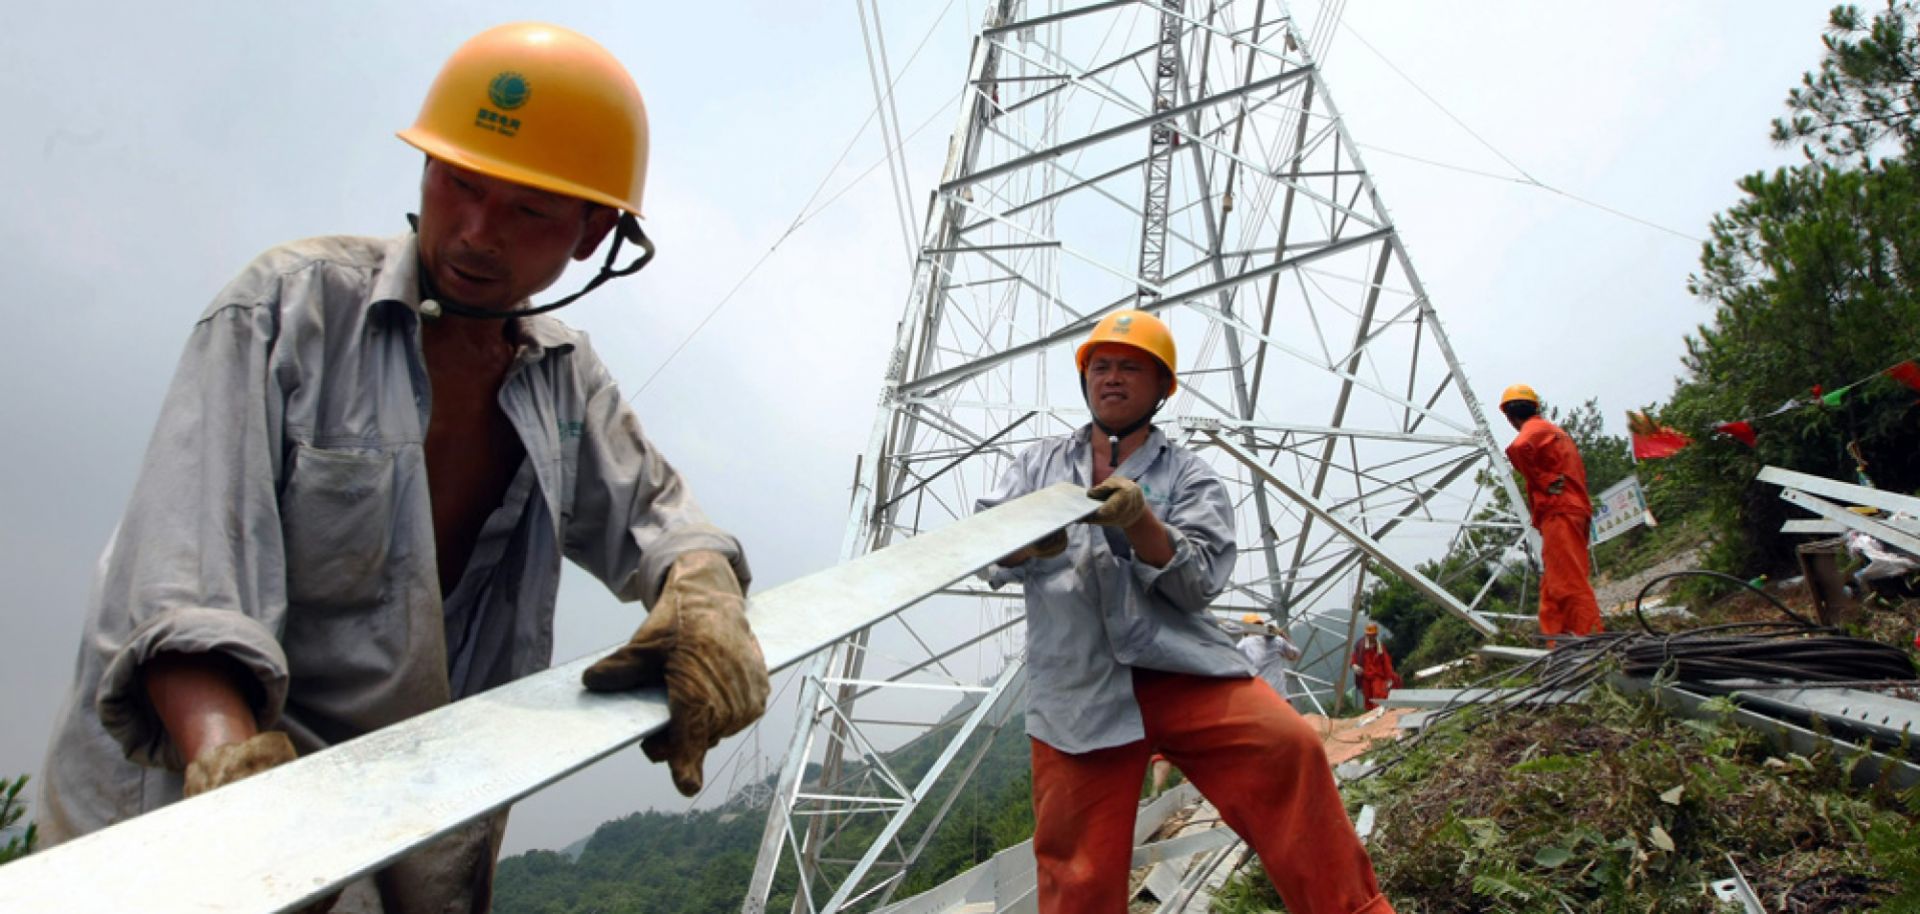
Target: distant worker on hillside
(1269, 651)
(374, 454)
(1547, 459)
(1373, 668)
(1124, 660)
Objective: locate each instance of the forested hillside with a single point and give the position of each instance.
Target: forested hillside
(700, 862)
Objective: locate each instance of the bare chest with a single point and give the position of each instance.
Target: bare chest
(472, 449)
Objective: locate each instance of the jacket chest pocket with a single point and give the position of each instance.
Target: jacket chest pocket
(336, 515)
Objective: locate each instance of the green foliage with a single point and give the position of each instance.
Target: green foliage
(702, 861)
(1866, 91)
(1448, 638)
(1812, 277)
(645, 862)
(12, 810)
(1814, 280)
(1897, 852)
(1615, 806)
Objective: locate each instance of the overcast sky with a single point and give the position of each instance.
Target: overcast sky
(153, 149)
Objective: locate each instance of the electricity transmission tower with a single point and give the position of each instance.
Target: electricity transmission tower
(1185, 158)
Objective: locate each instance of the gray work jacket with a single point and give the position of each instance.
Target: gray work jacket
(281, 518)
(1094, 612)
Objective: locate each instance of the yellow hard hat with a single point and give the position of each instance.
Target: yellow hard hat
(1251, 618)
(1138, 329)
(1519, 392)
(542, 106)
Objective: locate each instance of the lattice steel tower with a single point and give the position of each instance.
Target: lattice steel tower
(1185, 158)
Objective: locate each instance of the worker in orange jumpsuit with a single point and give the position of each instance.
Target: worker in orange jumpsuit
(1557, 498)
(1124, 658)
(1373, 667)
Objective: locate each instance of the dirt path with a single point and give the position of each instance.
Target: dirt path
(1617, 596)
(1351, 737)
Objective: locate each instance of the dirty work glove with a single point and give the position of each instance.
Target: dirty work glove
(1048, 546)
(229, 762)
(696, 643)
(1125, 504)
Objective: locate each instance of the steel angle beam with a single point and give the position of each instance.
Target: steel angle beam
(1448, 698)
(1866, 765)
(1892, 536)
(1736, 889)
(1367, 544)
(1177, 849)
(1509, 652)
(1890, 722)
(290, 835)
(1844, 491)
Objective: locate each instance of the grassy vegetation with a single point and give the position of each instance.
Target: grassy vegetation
(1616, 806)
(12, 810)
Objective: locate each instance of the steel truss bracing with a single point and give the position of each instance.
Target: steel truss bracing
(1186, 159)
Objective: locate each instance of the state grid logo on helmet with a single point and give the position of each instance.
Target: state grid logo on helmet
(508, 90)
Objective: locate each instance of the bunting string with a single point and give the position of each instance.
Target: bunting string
(1652, 441)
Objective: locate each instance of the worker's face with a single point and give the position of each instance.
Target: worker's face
(1123, 384)
(489, 243)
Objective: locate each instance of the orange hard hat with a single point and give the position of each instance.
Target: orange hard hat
(1251, 619)
(542, 106)
(1138, 329)
(1373, 628)
(1519, 392)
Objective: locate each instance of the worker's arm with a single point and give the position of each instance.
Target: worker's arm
(199, 564)
(1150, 541)
(1021, 477)
(1531, 458)
(633, 515)
(1183, 546)
(202, 704)
(200, 701)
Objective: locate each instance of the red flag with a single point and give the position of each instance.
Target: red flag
(1652, 441)
(1741, 431)
(1906, 373)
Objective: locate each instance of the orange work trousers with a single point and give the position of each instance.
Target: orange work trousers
(1248, 752)
(1567, 604)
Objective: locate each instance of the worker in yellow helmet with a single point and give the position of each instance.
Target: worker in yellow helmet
(1545, 457)
(1124, 661)
(375, 453)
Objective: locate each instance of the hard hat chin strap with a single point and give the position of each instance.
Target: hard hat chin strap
(627, 230)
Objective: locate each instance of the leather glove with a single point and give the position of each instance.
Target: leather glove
(696, 643)
(1125, 503)
(229, 762)
(1048, 546)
